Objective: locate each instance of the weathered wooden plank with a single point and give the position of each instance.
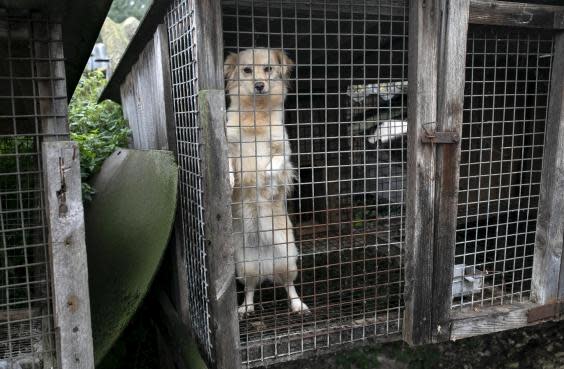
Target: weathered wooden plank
(67, 248)
(144, 97)
(160, 41)
(489, 320)
(52, 90)
(547, 264)
(424, 24)
(209, 32)
(168, 110)
(218, 231)
(449, 119)
(504, 13)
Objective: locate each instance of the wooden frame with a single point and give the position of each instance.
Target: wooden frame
(440, 55)
(548, 261)
(437, 58)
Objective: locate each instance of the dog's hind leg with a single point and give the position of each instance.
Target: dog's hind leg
(286, 255)
(248, 305)
(247, 263)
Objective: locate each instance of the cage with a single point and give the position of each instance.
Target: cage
(414, 148)
(34, 291)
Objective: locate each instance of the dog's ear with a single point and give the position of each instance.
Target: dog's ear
(230, 65)
(285, 61)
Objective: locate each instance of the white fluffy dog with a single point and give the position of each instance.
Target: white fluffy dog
(259, 161)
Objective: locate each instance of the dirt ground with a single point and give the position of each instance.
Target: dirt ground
(538, 347)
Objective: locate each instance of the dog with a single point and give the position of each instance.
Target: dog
(261, 172)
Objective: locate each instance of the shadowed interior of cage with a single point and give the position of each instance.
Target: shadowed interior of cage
(26, 332)
(505, 110)
(341, 131)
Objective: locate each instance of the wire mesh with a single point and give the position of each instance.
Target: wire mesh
(505, 109)
(316, 127)
(26, 100)
(184, 73)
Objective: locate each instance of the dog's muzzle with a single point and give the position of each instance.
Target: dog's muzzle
(259, 87)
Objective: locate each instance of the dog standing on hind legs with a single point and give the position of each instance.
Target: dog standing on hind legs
(261, 172)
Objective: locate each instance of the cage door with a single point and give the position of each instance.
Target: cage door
(485, 242)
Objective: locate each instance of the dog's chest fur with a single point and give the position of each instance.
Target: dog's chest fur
(255, 139)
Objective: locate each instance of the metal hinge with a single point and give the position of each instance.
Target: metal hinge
(551, 311)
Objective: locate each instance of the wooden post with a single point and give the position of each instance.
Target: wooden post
(67, 249)
(224, 322)
(451, 79)
(424, 24)
(548, 270)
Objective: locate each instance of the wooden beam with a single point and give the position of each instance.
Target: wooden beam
(67, 248)
(449, 119)
(424, 25)
(547, 265)
(489, 320)
(504, 13)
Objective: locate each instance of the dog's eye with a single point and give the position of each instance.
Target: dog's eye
(268, 69)
(248, 70)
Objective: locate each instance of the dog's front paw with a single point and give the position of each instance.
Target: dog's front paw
(244, 310)
(298, 306)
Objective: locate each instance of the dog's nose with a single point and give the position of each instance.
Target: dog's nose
(259, 86)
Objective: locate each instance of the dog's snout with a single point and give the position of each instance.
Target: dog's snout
(259, 86)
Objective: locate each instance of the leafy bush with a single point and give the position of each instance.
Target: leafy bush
(98, 128)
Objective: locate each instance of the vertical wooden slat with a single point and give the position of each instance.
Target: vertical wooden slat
(547, 265)
(51, 85)
(170, 127)
(449, 119)
(224, 322)
(424, 23)
(209, 31)
(217, 199)
(67, 248)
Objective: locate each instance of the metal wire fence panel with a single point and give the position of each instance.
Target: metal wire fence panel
(29, 61)
(505, 109)
(184, 72)
(316, 127)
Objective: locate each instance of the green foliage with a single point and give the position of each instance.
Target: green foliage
(98, 128)
(121, 9)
